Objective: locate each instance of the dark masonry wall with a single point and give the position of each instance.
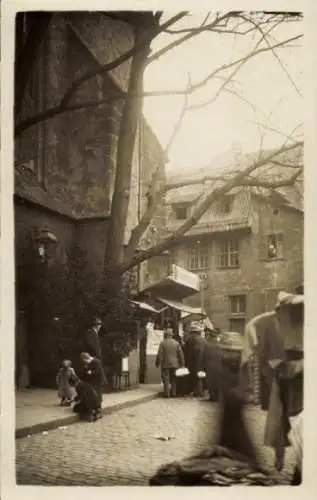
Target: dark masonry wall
(44, 332)
(38, 334)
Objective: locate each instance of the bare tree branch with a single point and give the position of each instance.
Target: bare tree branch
(273, 184)
(186, 37)
(65, 107)
(179, 122)
(209, 27)
(279, 132)
(144, 40)
(232, 75)
(285, 165)
(265, 38)
(201, 209)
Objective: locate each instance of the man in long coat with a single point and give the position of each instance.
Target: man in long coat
(169, 357)
(194, 347)
(212, 364)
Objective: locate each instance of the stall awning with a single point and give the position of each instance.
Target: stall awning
(179, 306)
(147, 307)
(179, 284)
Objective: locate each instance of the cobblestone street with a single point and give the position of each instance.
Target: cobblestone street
(123, 448)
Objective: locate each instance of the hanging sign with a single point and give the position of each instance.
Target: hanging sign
(154, 338)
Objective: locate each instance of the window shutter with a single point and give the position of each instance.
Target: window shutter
(263, 247)
(280, 245)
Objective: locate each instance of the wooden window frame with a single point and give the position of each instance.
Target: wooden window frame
(225, 205)
(277, 240)
(239, 313)
(228, 254)
(198, 253)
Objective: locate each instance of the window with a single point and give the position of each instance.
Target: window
(198, 256)
(237, 304)
(225, 205)
(275, 246)
(228, 253)
(237, 312)
(180, 212)
(237, 325)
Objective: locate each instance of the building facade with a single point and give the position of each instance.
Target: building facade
(65, 166)
(246, 248)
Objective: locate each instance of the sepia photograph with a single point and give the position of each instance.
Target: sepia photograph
(158, 239)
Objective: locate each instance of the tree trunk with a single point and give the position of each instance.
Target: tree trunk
(121, 197)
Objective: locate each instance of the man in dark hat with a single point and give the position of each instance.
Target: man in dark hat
(92, 343)
(93, 346)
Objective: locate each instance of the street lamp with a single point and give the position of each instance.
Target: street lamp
(44, 238)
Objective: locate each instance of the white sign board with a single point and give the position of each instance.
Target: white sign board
(154, 338)
(185, 277)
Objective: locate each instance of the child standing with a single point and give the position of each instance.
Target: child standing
(65, 376)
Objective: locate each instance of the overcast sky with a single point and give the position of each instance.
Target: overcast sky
(214, 129)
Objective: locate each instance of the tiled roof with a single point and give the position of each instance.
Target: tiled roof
(226, 164)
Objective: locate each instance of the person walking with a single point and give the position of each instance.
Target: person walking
(169, 357)
(93, 375)
(194, 347)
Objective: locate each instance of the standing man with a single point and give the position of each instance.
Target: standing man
(212, 364)
(92, 343)
(93, 346)
(195, 346)
(169, 357)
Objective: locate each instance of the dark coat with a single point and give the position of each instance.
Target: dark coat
(211, 357)
(170, 354)
(92, 373)
(194, 348)
(92, 343)
(88, 398)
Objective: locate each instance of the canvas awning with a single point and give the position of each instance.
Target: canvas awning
(178, 285)
(179, 306)
(146, 307)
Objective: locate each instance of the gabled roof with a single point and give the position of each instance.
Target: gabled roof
(226, 164)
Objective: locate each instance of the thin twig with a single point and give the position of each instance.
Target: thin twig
(282, 65)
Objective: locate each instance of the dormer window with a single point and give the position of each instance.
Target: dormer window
(181, 212)
(225, 205)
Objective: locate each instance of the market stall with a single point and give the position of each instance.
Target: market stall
(166, 298)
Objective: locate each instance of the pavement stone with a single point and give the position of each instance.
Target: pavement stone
(123, 449)
(38, 410)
